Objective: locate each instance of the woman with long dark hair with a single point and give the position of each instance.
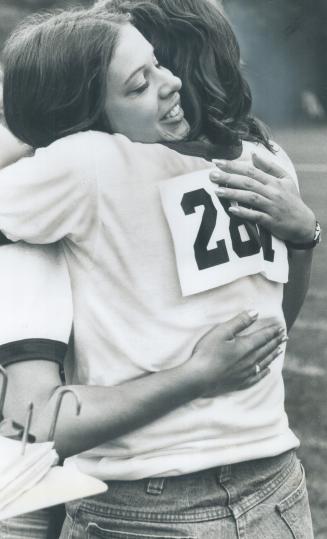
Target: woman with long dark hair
(196, 41)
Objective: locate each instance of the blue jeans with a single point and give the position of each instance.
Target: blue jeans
(264, 499)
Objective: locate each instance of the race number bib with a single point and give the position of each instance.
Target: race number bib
(213, 247)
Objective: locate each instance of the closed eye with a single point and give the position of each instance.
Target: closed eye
(140, 89)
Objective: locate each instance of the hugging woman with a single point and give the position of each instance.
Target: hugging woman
(210, 466)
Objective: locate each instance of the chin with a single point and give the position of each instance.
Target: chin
(178, 134)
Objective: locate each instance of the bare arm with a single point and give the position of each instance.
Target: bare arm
(277, 205)
(108, 412)
(297, 286)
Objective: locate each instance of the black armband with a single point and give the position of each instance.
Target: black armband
(32, 349)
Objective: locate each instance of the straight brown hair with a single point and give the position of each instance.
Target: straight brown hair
(55, 71)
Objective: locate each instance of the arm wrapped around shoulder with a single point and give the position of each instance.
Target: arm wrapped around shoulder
(45, 197)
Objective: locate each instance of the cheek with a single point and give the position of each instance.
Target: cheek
(117, 113)
(143, 113)
(137, 119)
(117, 118)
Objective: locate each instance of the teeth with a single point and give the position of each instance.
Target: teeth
(173, 112)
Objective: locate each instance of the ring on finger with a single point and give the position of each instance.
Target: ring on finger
(257, 368)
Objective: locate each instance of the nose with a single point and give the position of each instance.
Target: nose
(169, 84)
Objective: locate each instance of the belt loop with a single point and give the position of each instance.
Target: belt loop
(155, 486)
(224, 473)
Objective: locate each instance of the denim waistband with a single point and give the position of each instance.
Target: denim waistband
(222, 491)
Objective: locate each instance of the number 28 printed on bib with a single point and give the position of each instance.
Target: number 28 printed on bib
(213, 247)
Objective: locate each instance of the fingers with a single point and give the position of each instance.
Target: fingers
(227, 331)
(228, 170)
(252, 199)
(261, 168)
(263, 357)
(268, 166)
(261, 342)
(237, 324)
(236, 181)
(253, 376)
(265, 363)
(251, 215)
(263, 354)
(252, 380)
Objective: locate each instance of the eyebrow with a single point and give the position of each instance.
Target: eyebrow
(137, 70)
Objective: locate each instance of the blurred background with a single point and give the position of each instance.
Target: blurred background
(282, 43)
(284, 57)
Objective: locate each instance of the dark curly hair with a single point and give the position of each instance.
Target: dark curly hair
(197, 43)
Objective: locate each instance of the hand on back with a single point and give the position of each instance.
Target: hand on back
(267, 195)
(228, 359)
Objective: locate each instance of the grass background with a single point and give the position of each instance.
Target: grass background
(305, 366)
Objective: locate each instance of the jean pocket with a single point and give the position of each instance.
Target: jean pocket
(94, 531)
(295, 511)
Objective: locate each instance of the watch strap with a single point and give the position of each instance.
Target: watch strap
(309, 244)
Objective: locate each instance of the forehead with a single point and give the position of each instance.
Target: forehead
(131, 53)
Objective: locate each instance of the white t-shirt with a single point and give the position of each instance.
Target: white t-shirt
(109, 200)
(36, 303)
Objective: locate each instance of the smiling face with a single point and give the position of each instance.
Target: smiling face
(143, 100)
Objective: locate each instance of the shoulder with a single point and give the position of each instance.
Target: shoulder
(105, 145)
(279, 156)
(108, 153)
(68, 163)
(71, 157)
(118, 154)
(71, 152)
(284, 159)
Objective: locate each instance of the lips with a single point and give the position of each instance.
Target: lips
(175, 112)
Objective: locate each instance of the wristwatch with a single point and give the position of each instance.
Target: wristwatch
(310, 244)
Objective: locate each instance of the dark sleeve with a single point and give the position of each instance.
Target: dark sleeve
(32, 349)
(35, 304)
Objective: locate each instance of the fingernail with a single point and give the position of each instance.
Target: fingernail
(253, 314)
(215, 176)
(220, 191)
(220, 162)
(282, 333)
(234, 209)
